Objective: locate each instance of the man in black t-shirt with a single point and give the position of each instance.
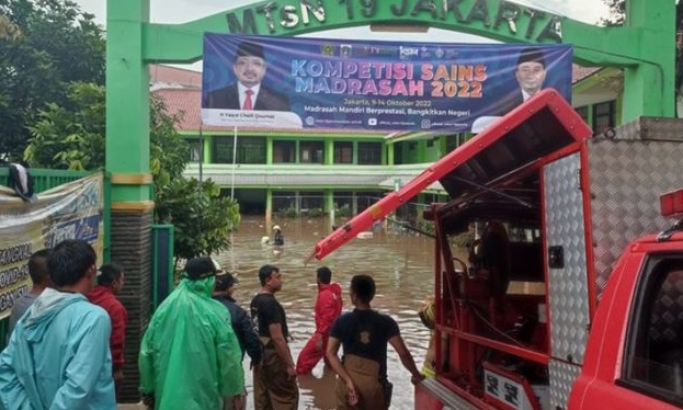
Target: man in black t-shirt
(275, 385)
(364, 334)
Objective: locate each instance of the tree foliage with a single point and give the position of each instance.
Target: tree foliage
(62, 138)
(75, 139)
(201, 217)
(617, 9)
(45, 45)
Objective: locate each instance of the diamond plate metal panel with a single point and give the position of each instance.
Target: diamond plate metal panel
(651, 128)
(627, 177)
(562, 377)
(568, 286)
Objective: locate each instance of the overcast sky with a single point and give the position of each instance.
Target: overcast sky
(180, 11)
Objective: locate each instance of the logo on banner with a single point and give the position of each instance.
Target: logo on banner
(327, 49)
(346, 50)
(407, 52)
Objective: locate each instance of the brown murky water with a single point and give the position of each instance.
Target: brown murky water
(400, 263)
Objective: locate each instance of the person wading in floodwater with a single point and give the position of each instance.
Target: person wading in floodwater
(364, 334)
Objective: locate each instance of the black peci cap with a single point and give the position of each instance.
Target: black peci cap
(247, 49)
(200, 268)
(531, 54)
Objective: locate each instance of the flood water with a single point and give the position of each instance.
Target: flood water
(400, 263)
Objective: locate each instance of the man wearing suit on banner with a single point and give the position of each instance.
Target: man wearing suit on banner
(248, 92)
(530, 74)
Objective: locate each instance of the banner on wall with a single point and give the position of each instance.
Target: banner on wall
(378, 86)
(69, 211)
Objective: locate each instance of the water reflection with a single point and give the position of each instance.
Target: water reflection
(400, 264)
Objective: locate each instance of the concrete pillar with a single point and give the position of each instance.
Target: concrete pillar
(127, 162)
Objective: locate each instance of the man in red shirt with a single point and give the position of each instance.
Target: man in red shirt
(327, 309)
(109, 284)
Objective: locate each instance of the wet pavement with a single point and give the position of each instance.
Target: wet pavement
(400, 263)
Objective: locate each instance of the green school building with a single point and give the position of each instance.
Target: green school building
(299, 173)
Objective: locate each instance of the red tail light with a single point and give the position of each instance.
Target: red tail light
(671, 204)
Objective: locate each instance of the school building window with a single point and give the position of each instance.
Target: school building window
(250, 150)
(604, 116)
(195, 149)
(311, 152)
(284, 152)
(343, 152)
(370, 153)
(584, 113)
(452, 142)
(398, 153)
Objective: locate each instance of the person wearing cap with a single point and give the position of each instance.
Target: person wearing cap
(190, 358)
(328, 307)
(278, 237)
(248, 93)
(275, 386)
(58, 355)
(530, 74)
(241, 322)
(104, 295)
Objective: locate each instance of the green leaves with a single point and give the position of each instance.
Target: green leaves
(73, 137)
(45, 46)
(202, 218)
(52, 112)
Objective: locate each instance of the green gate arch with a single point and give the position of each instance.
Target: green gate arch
(644, 48)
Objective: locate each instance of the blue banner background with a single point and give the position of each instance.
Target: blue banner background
(500, 91)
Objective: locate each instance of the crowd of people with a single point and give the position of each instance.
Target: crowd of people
(66, 349)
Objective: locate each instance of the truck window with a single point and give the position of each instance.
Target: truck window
(653, 362)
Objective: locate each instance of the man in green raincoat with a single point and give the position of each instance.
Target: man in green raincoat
(190, 358)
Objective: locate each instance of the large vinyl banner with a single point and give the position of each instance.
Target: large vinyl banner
(69, 211)
(282, 82)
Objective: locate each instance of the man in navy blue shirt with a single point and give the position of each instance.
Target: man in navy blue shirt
(364, 334)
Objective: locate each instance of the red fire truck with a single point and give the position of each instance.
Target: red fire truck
(572, 295)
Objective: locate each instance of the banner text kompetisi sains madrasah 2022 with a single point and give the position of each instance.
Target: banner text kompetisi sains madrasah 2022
(376, 86)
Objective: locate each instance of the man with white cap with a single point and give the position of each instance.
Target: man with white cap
(190, 358)
(278, 237)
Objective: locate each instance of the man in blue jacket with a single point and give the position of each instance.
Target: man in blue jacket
(58, 355)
